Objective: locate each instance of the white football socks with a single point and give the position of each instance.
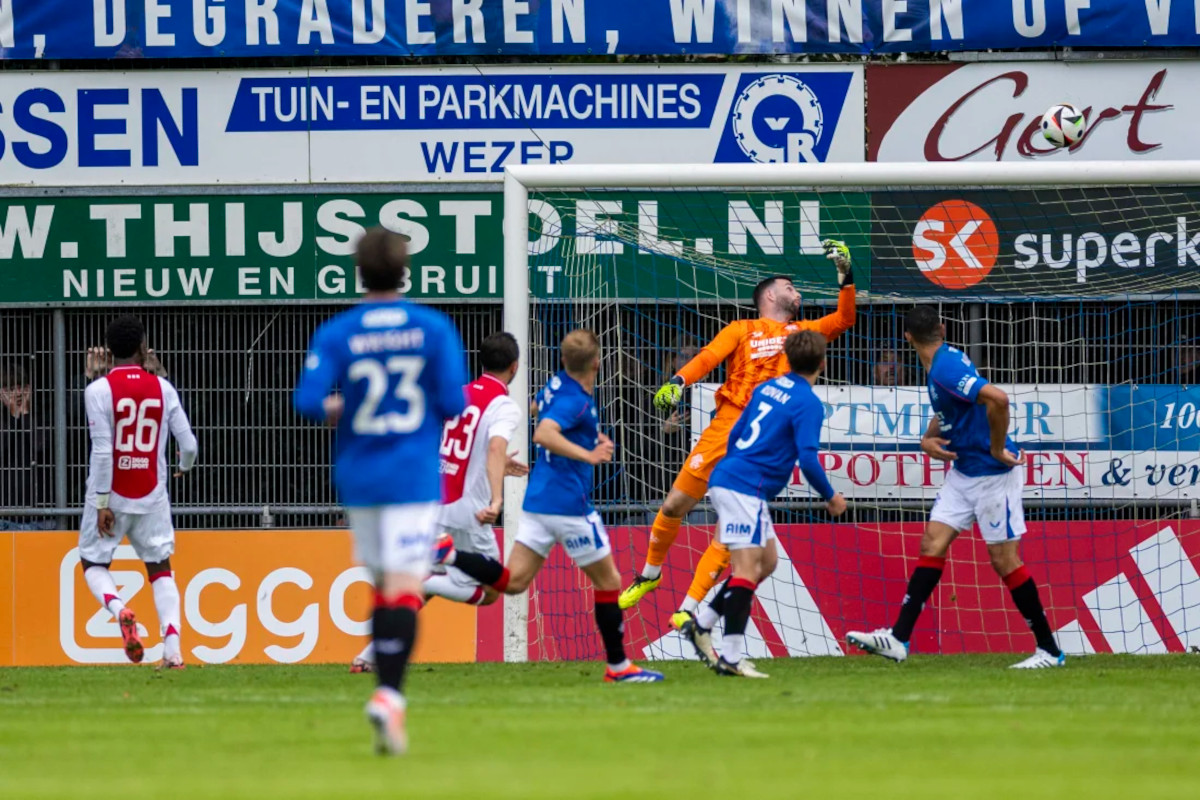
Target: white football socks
(166, 601)
(104, 588)
(650, 572)
(733, 648)
(706, 618)
(690, 604)
(446, 586)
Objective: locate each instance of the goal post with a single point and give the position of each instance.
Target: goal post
(627, 272)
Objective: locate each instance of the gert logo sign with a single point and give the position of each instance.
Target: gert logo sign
(955, 244)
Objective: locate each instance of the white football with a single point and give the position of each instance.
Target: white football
(1063, 125)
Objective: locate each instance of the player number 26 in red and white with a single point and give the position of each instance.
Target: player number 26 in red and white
(136, 431)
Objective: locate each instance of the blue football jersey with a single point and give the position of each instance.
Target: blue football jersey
(400, 369)
(954, 386)
(560, 485)
(780, 425)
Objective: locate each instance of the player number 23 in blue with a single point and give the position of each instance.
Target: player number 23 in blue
(751, 436)
(369, 420)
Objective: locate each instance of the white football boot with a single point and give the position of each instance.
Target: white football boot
(385, 712)
(879, 642)
(1041, 660)
(742, 669)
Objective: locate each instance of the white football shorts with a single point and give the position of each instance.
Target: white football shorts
(994, 501)
(584, 538)
(743, 521)
(152, 535)
(482, 540)
(395, 539)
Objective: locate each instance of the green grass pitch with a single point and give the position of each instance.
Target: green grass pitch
(936, 727)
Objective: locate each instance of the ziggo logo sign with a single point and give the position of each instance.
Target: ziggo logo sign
(237, 625)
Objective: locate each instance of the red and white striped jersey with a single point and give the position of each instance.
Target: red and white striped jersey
(490, 413)
(126, 412)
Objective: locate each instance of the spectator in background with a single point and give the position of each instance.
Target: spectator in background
(26, 453)
(889, 371)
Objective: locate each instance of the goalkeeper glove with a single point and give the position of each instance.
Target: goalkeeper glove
(666, 398)
(837, 252)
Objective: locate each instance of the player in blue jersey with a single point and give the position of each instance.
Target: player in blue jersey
(388, 374)
(558, 505)
(969, 429)
(780, 425)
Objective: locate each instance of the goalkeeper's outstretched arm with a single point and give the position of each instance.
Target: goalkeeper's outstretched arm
(704, 362)
(841, 320)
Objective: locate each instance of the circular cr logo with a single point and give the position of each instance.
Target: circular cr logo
(955, 244)
(777, 118)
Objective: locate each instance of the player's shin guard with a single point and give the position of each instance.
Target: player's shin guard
(394, 631)
(100, 581)
(712, 564)
(484, 569)
(1025, 596)
(166, 602)
(738, 597)
(922, 583)
(611, 622)
(662, 536)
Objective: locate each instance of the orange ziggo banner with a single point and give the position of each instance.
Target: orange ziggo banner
(249, 597)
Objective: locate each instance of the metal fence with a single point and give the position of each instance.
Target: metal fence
(260, 465)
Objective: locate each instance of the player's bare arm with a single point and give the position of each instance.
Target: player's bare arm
(497, 466)
(934, 445)
(996, 402)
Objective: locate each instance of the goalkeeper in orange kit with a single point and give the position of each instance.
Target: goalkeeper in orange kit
(753, 350)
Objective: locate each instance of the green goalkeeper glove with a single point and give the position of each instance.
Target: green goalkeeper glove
(666, 398)
(837, 252)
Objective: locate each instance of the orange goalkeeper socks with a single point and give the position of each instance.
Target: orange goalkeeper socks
(662, 536)
(708, 571)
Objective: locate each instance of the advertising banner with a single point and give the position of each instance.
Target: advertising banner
(258, 597)
(1080, 441)
(292, 247)
(1043, 243)
(249, 597)
(992, 112)
(415, 125)
(1108, 586)
(258, 28)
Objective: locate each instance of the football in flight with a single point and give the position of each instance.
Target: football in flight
(1063, 125)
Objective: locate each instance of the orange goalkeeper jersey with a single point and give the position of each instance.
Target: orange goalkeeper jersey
(754, 349)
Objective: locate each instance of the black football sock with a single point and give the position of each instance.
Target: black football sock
(611, 622)
(484, 569)
(738, 596)
(922, 583)
(394, 630)
(1025, 596)
(706, 618)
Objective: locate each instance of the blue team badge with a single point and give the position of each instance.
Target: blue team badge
(784, 117)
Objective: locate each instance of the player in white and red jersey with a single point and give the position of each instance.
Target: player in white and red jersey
(127, 484)
(474, 461)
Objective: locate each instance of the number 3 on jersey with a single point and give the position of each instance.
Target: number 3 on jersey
(369, 420)
(751, 436)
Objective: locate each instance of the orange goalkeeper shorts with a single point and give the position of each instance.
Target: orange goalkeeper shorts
(708, 452)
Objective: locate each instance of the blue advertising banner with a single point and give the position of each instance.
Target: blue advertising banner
(234, 28)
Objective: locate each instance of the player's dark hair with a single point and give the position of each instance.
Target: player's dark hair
(805, 351)
(579, 349)
(125, 336)
(923, 324)
(498, 351)
(767, 283)
(382, 259)
(12, 376)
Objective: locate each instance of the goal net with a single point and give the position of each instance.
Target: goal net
(1076, 288)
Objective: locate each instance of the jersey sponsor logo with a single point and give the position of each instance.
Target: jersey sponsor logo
(130, 462)
(965, 383)
(581, 542)
(739, 528)
(955, 244)
(766, 347)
